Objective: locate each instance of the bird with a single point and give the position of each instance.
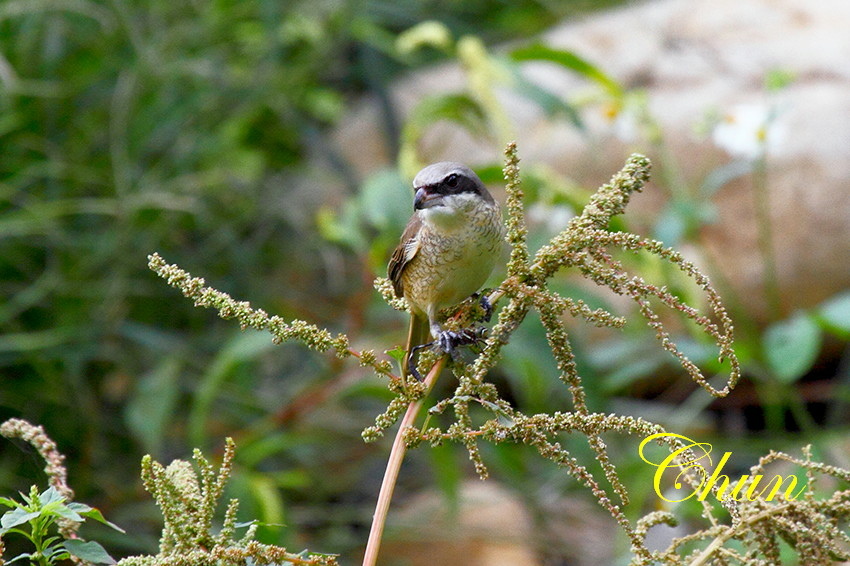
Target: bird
(447, 251)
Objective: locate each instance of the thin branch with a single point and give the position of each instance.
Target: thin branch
(393, 466)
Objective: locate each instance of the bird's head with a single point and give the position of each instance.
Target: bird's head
(448, 188)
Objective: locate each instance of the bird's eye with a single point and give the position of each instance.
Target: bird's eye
(452, 180)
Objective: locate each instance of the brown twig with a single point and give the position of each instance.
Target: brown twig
(393, 466)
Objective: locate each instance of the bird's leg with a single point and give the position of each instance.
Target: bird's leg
(484, 301)
(446, 341)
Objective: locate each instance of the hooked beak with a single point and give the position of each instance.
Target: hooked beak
(424, 199)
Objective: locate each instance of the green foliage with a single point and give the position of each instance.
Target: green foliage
(476, 108)
(156, 396)
(834, 314)
(54, 506)
(183, 128)
(788, 348)
(188, 499)
(371, 225)
(461, 109)
(136, 126)
(482, 415)
(571, 61)
(127, 127)
(39, 512)
(791, 346)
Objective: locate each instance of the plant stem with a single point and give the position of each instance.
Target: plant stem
(765, 239)
(393, 466)
(720, 540)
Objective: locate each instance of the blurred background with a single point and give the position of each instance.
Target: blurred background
(268, 147)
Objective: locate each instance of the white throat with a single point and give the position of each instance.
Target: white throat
(454, 212)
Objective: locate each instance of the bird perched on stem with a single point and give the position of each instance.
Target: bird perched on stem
(446, 253)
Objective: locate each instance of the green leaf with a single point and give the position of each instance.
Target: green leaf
(50, 495)
(777, 79)
(492, 407)
(491, 174)
(89, 551)
(14, 342)
(54, 553)
(50, 540)
(267, 497)
(342, 227)
(458, 108)
(671, 226)
(791, 346)
(95, 514)
(835, 313)
(245, 524)
(681, 218)
(631, 372)
(151, 407)
(396, 353)
(380, 202)
(569, 60)
(9, 502)
(24, 556)
(80, 508)
(66, 513)
(240, 348)
(15, 517)
(428, 33)
(552, 105)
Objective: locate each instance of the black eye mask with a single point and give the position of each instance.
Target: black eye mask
(456, 184)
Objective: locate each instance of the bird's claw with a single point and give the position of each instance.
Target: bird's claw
(411, 360)
(411, 370)
(447, 342)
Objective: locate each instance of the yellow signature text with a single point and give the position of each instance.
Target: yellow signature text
(693, 459)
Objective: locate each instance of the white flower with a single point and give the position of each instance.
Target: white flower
(626, 117)
(627, 125)
(749, 130)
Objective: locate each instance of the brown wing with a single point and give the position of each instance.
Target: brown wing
(404, 252)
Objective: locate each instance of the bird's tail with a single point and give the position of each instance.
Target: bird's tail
(417, 334)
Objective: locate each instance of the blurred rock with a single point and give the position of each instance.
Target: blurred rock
(692, 58)
(492, 527)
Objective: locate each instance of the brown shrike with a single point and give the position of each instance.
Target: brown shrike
(446, 253)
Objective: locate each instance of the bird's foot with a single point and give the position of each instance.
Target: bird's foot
(447, 342)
